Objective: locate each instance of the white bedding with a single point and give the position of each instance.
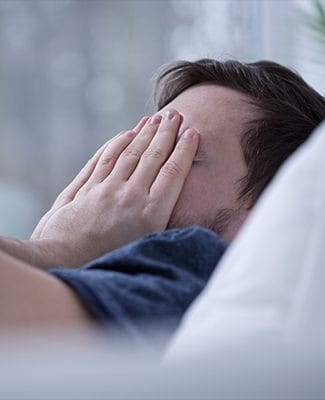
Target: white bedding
(264, 306)
(256, 331)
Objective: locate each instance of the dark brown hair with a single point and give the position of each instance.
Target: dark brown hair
(289, 110)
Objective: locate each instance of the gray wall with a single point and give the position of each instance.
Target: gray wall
(74, 73)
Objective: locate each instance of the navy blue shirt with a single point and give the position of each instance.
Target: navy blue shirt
(146, 282)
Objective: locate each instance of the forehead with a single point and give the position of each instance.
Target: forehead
(215, 111)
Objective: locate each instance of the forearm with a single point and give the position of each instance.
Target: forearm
(29, 297)
(43, 254)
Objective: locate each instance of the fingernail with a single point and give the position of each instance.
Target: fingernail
(170, 114)
(155, 120)
(190, 134)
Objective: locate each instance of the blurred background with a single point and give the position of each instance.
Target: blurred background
(74, 73)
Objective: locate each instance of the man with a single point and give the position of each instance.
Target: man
(234, 125)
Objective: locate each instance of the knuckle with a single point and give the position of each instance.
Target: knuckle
(108, 159)
(183, 145)
(151, 211)
(154, 154)
(132, 152)
(100, 196)
(172, 169)
(126, 198)
(164, 130)
(146, 216)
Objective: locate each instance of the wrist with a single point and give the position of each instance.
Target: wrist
(24, 250)
(47, 253)
(41, 253)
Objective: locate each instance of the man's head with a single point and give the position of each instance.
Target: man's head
(251, 117)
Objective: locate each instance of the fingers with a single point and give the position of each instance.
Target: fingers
(172, 175)
(140, 124)
(158, 150)
(84, 175)
(70, 192)
(81, 178)
(110, 155)
(130, 157)
(104, 156)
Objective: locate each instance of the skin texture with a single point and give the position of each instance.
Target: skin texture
(112, 194)
(133, 185)
(117, 197)
(96, 212)
(30, 298)
(210, 193)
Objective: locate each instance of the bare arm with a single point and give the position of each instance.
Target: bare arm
(40, 253)
(32, 298)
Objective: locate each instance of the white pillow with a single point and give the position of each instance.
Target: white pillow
(270, 285)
